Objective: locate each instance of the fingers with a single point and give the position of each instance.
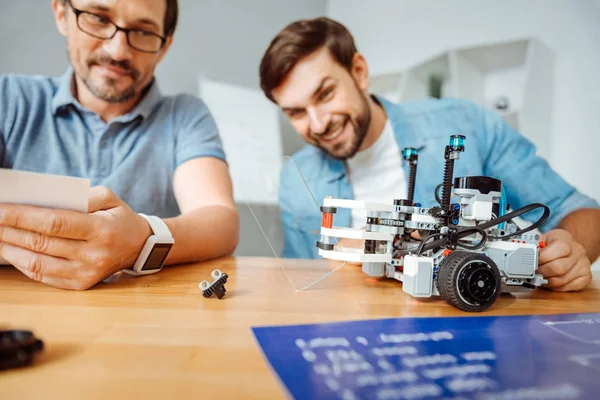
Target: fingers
(568, 273)
(102, 198)
(555, 250)
(572, 272)
(416, 235)
(350, 243)
(59, 223)
(557, 267)
(53, 271)
(39, 243)
(50, 222)
(575, 285)
(354, 263)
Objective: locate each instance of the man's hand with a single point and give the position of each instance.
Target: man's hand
(69, 249)
(360, 244)
(564, 262)
(346, 243)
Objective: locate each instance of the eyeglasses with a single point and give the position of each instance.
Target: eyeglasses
(101, 27)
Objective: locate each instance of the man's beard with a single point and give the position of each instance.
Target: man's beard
(360, 127)
(107, 90)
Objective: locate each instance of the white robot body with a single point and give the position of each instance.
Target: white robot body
(469, 251)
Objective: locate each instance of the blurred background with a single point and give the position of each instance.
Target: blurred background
(536, 61)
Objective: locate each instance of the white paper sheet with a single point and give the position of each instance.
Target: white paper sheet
(43, 190)
(249, 127)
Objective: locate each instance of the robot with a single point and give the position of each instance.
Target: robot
(466, 252)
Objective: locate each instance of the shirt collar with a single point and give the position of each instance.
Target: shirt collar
(64, 97)
(403, 131)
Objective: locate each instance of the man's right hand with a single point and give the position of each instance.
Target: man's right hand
(360, 244)
(346, 243)
(72, 250)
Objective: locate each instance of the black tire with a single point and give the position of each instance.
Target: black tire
(469, 281)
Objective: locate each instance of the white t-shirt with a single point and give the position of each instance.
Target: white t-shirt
(376, 174)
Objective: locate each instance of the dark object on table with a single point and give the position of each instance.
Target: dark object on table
(217, 286)
(17, 348)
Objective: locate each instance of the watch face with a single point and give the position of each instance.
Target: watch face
(157, 256)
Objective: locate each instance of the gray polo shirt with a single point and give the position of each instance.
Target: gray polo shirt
(43, 128)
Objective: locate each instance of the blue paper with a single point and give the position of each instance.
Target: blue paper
(484, 358)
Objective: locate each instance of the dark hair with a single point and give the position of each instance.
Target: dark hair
(171, 16)
(298, 40)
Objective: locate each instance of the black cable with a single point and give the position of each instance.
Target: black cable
(516, 213)
(461, 233)
(494, 216)
(426, 239)
(436, 194)
(480, 244)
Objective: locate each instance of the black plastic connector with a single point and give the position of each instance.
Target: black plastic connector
(18, 348)
(452, 238)
(217, 287)
(329, 210)
(325, 246)
(403, 202)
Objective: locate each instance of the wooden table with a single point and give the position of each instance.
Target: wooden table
(158, 337)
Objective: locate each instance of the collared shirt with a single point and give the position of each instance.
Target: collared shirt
(43, 128)
(492, 148)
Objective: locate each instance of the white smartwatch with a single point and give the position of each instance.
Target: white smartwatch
(155, 251)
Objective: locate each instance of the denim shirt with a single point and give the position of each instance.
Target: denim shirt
(492, 148)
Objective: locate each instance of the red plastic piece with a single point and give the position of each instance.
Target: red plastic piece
(446, 252)
(542, 244)
(327, 220)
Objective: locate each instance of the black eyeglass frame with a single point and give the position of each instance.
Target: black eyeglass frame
(79, 12)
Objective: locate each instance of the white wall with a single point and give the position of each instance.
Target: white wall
(396, 34)
(225, 39)
(221, 39)
(35, 47)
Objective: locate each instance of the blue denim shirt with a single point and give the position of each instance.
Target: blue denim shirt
(43, 128)
(492, 148)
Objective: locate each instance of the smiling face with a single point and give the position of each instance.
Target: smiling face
(111, 69)
(326, 103)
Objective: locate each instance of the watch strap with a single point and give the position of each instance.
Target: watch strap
(158, 225)
(161, 233)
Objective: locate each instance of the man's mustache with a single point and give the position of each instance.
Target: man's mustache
(105, 60)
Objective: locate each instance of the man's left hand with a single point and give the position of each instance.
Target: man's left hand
(564, 262)
(69, 249)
